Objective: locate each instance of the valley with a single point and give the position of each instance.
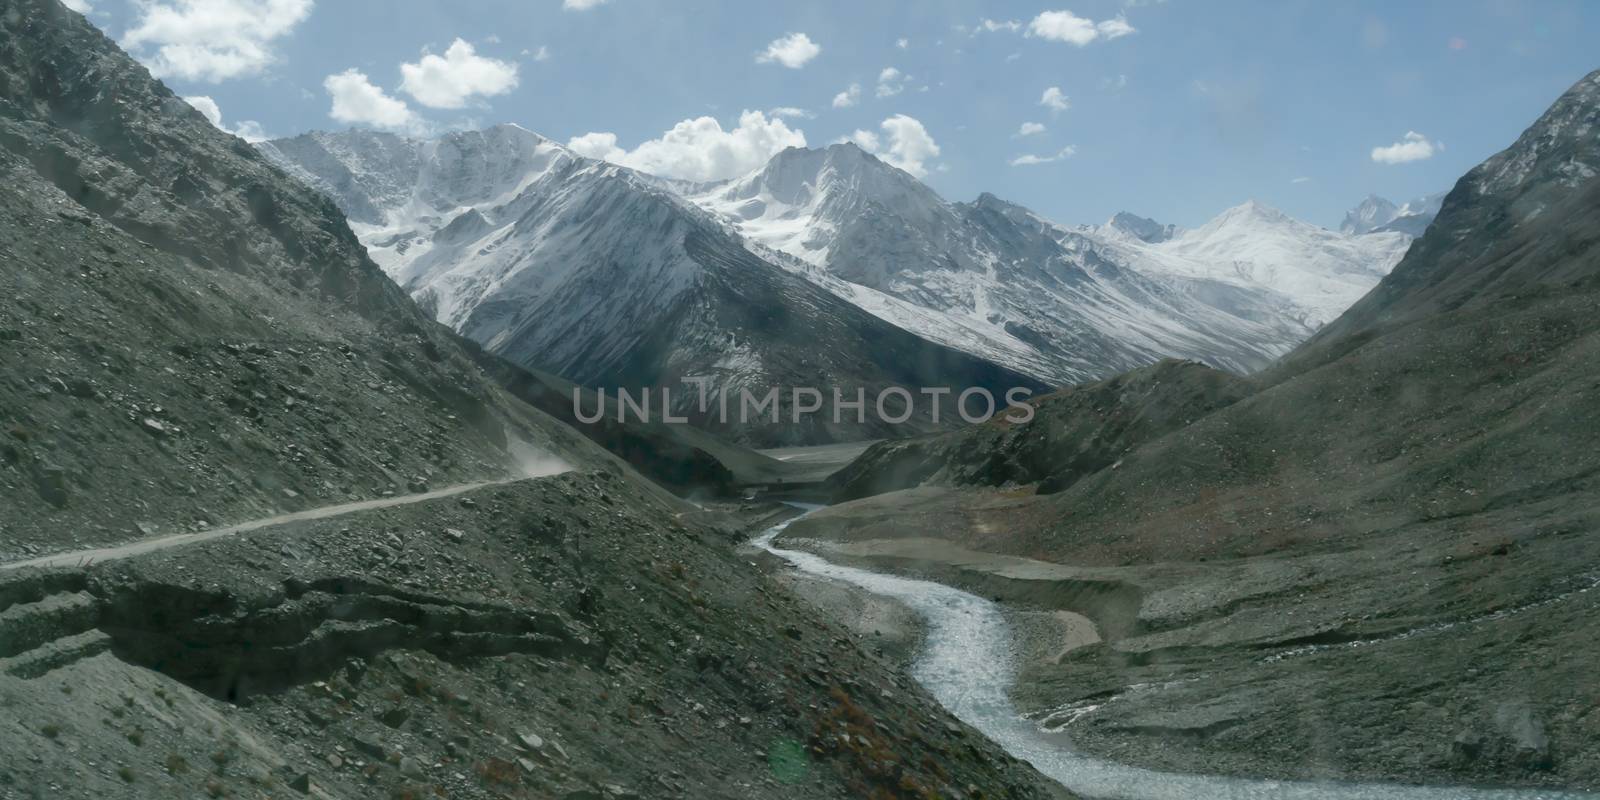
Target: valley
(300, 493)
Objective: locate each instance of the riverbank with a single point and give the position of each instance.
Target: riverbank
(1320, 667)
(970, 663)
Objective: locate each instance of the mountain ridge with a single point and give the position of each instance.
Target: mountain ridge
(606, 277)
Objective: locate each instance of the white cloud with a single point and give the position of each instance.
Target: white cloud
(1301, 179)
(597, 145)
(902, 43)
(1116, 84)
(1030, 128)
(866, 140)
(1026, 160)
(992, 26)
(1065, 26)
(541, 54)
(450, 80)
(1115, 28)
(356, 101)
(791, 112)
(581, 5)
(80, 6)
(211, 40)
(207, 107)
(791, 50)
(248, 130)
(1411, 147)
(699, 149)
(1055, 100)
(891, 82)
(849, 97)
(905, 143)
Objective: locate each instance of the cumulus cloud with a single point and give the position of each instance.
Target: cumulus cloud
(1411, 147)
(450, 80)
(1030, 128)
(699, 149)
(207, 107)
(866, 140)
(1026, 160)
(902, 43)
(849, 97)
(541, 54)
(1055, 100)
(211, 40)
(904, 143)
(356, 101)
(791, 50)
(248, 130)
(581, 5)
(1065, 26)
(791, 112)
(891, 82)
(80, 6)
(597, 145)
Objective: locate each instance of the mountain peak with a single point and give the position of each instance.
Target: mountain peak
(1371, 213)
(1253, 210)
(1141, 228)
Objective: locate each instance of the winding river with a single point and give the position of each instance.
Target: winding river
(968, 664)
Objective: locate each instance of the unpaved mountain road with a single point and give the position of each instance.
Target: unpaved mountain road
(143, 546)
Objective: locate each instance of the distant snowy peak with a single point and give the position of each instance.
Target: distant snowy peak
(993, 277)
(1375, 214)
(1321, 271)
(1142, 228)
(1372, 213)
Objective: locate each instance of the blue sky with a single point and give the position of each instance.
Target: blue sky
(1174, 110)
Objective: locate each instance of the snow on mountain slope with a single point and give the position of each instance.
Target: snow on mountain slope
(486, 229)
(1321, 271)
(582, 268)
(609, 278)
(997, 280)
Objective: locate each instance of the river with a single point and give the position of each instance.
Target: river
(968, 664)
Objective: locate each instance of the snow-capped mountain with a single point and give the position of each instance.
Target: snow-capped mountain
(1322, 272)
(1375, 214)
(1066, 304)
(825, 267)
(606, 277)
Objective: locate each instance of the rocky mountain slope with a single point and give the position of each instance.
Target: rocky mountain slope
(1375, 565)
(599, 275)
(191, 337)
(1069, 305)
(1074, 432)
(557, 638)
